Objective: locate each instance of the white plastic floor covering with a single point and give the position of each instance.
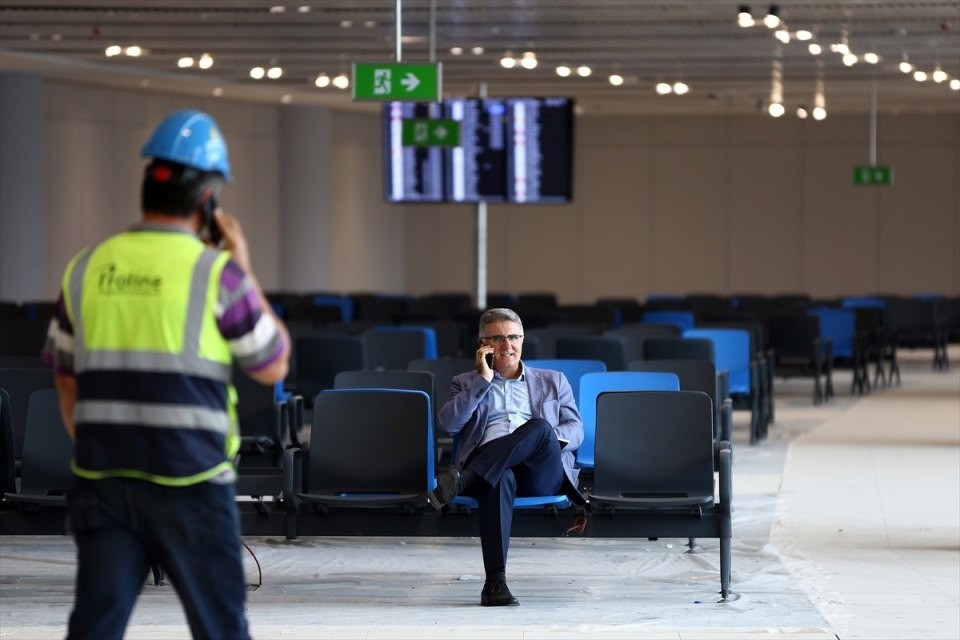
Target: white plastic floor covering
(846, 525)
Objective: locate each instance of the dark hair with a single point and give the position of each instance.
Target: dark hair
(174, 189)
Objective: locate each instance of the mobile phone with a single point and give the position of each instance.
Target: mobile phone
(489, 358)
(210, 227)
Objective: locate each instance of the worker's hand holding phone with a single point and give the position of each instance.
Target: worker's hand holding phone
(485, 356)
(212, 233)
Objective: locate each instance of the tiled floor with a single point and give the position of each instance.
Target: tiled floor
(846, 524)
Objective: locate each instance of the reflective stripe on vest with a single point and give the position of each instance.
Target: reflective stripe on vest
(138, 314)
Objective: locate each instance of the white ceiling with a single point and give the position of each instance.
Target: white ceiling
(728, 68)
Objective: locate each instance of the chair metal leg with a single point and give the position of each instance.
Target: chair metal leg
(725, 566)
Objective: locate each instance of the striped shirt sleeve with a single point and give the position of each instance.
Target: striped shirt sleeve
(252, 335)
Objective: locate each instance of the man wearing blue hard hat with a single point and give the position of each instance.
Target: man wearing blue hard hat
(147, 327)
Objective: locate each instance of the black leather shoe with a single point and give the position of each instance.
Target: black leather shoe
(496, 594)
(448, 488)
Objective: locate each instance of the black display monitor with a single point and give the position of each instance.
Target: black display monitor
(540, 156)
(412, 174)
(477, 169)
(517, 150)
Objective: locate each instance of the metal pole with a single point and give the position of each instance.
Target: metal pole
(433, 30)
(398, 46)
(482, 236)
(873, 122)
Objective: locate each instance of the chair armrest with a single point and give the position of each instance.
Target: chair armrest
(723, 385)
(292, 478)
(726, 482)
(726, 421)
(295, 420)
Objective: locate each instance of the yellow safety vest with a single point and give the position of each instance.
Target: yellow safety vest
(154, 399)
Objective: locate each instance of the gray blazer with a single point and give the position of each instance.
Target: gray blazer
(466, 410)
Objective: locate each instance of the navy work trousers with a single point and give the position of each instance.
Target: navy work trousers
(123, 526)
(523, 463)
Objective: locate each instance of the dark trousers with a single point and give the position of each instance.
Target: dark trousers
(123, 526)
(523, 463)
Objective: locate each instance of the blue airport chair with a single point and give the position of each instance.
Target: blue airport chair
(682, 319)
(574, 370)
(593, 384)
(732, 353)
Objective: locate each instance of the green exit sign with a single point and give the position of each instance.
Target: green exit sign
(396, 81)
(421, 132)
(873, 175)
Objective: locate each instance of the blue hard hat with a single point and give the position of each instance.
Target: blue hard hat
(190, 138)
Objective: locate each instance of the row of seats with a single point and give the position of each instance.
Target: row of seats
(660, 467)
(391, 430)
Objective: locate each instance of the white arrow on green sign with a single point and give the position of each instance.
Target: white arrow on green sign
(396, 81)
(873, 175)
(423, 132)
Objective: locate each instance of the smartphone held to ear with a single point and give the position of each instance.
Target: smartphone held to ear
(211, 230)
(489, 358)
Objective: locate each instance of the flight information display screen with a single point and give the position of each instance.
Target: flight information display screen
(517, 150)
(413, 174)
(540, 154)
(477, 169)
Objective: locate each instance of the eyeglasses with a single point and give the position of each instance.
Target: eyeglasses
(513, 338)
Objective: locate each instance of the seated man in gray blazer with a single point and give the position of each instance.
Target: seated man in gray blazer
(517, 429)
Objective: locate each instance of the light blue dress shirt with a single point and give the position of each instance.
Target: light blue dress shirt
(511, 406)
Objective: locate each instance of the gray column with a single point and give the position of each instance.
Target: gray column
(23, 253)
(305, 198)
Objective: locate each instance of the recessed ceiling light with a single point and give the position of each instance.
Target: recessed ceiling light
(616, 79)
(563, 71)
(218, 91)
(477, 51)
(286, 98)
